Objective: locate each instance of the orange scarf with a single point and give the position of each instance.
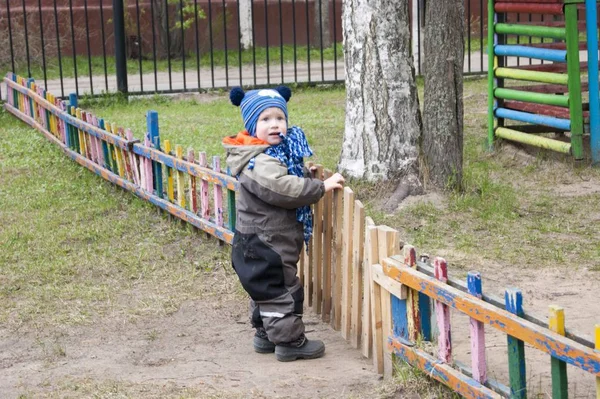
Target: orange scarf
(243, 138)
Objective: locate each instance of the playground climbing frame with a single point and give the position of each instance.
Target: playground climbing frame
(555, 102)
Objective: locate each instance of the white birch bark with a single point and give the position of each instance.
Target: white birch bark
(383, 123)
(416, 45)
(246, 24)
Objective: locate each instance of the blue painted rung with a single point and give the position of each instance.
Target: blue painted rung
(562, 124)
(531, 52)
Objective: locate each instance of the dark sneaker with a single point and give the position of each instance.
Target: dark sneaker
(301, 348)
(262, 343)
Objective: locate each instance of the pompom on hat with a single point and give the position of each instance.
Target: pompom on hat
(254, 102)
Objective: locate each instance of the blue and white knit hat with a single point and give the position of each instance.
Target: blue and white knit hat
(254, 102)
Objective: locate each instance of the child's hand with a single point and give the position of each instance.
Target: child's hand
(334, 182)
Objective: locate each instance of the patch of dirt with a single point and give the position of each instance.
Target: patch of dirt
(201, 98)
(205, 345)
(435, 199)
(576, 188)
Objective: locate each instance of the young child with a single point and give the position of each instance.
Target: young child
(273, 219)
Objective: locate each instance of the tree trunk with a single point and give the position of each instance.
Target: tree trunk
(322, 23)
(443, 106)
(169, 37)
(246, 24)
(383, 123)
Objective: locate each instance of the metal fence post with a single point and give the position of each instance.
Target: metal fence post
(120, 49)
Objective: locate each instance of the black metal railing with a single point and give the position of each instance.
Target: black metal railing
(169, 46)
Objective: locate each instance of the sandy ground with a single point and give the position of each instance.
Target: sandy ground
(201, 346)
(205, 346)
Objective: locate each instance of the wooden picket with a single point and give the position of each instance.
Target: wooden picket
(378, 295)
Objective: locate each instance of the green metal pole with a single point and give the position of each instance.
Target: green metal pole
(491, 64)
(575, 106)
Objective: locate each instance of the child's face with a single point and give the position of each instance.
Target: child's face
(270, 123)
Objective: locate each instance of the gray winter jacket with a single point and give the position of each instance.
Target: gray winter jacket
(268, 238)
(268, 195)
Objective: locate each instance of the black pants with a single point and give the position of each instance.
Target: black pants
(266, 264)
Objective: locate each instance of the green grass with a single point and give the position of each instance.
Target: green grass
(202, 123)
(508, 204)
(204, 61)
(72, 243)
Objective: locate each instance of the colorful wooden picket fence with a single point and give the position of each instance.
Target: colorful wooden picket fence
(383, 303)
(176, 182)
(388, 304)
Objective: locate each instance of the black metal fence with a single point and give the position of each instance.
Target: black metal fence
(169, 46)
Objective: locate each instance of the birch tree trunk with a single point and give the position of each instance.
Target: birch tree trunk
(246, 24)
(383, 123)
(443, 106)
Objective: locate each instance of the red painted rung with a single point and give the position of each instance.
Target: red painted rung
(548, 88)
(560, 24)
(529, 8)
(532, 1)
(548, 110)
(557, 46)
(552, 67)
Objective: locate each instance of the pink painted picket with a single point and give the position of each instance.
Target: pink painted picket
(442, 313)
(192, 185)
(412, 300)
(218, 191)
(148, 167)
(204, 199)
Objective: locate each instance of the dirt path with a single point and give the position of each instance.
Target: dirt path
(202, 350)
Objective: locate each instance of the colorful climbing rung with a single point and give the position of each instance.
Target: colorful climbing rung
(532, 76)
(562, 124)
(538, 98)
(549, 110)
(529, 30)
(531, 52)
(537, 141)
(529, 8)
